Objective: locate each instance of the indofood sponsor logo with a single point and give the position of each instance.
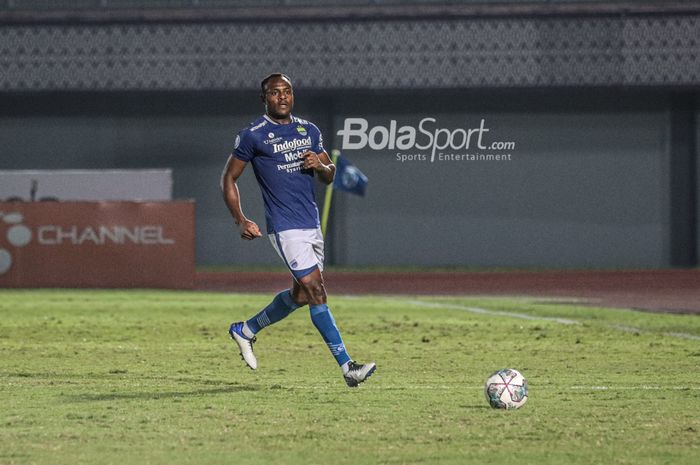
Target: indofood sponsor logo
(18, 235)
(291, 145)
(426, 141)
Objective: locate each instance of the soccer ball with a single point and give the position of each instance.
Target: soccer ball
(506, 388)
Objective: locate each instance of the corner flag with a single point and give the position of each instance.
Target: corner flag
(347, 178)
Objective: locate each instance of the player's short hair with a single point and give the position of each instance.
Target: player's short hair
(264, 82)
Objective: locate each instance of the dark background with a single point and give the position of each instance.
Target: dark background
(600, 99)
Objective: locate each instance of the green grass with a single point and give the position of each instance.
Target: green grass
(99, 377)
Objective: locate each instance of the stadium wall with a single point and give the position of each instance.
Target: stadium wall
(588, 183)
(598, 176)
(437, 51)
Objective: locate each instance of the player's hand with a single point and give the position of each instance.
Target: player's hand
(249, 230)
(312, 161)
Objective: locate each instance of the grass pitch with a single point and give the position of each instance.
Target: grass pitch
(100, 377)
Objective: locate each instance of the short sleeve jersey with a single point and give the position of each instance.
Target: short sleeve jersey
(275, 151)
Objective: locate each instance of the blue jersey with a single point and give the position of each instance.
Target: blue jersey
(275, 151)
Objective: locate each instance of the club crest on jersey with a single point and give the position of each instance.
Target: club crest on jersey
(270, 135)
(301, 130)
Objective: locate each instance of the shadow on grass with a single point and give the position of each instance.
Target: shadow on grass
(160, 395)
(76, 378)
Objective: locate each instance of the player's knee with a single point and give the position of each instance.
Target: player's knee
(315, 290)
(299, 296)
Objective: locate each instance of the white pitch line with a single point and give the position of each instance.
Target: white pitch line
(625, 328)
(632, 329)
(483, 311)
(684, 336)
(636, 388)
(434, 387)
(524, 316)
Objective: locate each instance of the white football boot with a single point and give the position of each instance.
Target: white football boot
(245, 345)
(357, 373)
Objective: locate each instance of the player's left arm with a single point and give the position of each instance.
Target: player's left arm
(316, 158)
(321, 164)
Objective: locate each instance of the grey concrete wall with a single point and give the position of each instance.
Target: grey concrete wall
(193, 135)
(587, 183)
(448, 48)
(697, 172)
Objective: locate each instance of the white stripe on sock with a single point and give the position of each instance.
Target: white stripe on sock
(263, 320)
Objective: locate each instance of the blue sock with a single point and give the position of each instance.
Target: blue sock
(324, 322)
(280, 307)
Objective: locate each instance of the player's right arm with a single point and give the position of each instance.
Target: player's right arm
(234, 168)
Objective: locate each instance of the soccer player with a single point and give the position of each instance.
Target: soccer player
(287, 153)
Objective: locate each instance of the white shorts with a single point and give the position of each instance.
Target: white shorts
(301, 250)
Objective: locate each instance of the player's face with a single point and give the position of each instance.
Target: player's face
(279, 98)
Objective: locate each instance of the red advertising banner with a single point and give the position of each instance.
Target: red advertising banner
(97, 244)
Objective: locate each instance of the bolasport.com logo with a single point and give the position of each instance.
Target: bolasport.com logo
(15, 235)
(426, 141)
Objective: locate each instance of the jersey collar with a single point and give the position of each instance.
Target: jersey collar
(294, 120)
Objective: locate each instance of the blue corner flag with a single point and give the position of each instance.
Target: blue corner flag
(348, 178)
